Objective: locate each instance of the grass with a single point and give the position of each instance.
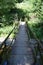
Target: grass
(5, 30)
(37, 28)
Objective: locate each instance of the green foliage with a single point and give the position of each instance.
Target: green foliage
(6, 17)
(20, 1)
(5, 30)
(30, 9)
(32, 6)
(34, 13)
(37, 28)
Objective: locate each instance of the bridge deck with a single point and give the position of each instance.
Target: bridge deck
(21, 52)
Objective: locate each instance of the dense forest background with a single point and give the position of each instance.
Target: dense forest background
(26, 10)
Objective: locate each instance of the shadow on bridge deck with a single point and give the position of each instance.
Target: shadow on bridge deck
(21, 52)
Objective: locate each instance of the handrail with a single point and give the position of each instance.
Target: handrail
(35, 36)
(4, 48)
(38, 41)
(7, 37)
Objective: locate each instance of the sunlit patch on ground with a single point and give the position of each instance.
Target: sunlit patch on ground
(22, 23)
(2, 39)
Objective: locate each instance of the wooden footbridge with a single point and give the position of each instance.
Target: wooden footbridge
(21, 50)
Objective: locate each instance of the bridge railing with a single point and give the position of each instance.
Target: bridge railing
(4, 48)
(38, 48)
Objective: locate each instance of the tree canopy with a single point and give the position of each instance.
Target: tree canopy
(27, 6)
